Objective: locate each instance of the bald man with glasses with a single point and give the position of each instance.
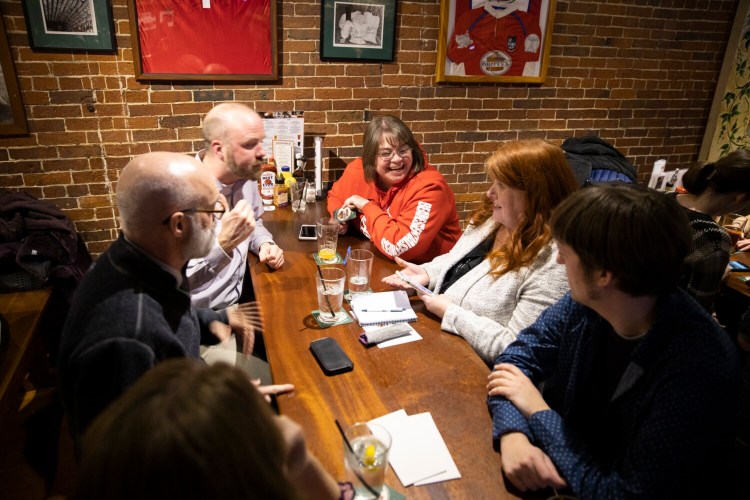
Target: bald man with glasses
(133, 309)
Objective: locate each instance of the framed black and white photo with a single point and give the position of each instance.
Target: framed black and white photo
(358, 30)
(70, 25)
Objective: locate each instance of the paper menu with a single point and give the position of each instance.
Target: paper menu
(418, 453)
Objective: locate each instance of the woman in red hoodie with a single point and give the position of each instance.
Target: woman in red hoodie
(404, 204)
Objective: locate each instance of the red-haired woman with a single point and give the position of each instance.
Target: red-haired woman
(503, 271)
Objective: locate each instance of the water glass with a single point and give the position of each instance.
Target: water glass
(358, 270)
(367, 459)
(297, 196)
(330, 285)
(328, 237)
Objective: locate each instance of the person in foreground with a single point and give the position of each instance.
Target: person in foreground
(234, 152)
(640, 382)
(191, 431)
(714, 189)
(405, 206)
(132, 310)
(503, 272)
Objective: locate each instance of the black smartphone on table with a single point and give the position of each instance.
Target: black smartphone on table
(330, 356)
(307, 232)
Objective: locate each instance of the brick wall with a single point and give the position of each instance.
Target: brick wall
(641, 74)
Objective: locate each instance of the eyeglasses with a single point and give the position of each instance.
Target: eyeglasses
(218, 212)
(388, 155)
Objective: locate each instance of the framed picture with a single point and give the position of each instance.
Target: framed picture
(494, 40)
(212, 40)
(60, 25)
(361, 30)
(727, 129)
(12, 115)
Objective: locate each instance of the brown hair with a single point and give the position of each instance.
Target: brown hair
(639, 235)
(185, 430)
(540, 170)
(730, 174)
(395, 133)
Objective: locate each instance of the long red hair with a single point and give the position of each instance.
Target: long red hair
(541, 171)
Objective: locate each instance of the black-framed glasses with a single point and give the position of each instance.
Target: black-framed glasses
(388, 155)
(218, 212)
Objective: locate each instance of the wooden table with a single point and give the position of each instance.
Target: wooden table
(733, 281)
(440, 374)
(22, 311)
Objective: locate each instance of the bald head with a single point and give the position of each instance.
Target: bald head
(227, 117)
(154, 185)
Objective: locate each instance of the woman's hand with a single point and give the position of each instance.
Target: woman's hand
(509, 381)
(743, 245)
(436, 304)
(356, 201)
(413, 271)
(343, 227)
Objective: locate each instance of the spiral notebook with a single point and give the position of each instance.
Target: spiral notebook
(383, 308)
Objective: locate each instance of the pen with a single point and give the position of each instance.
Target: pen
(348, 253)
(396, 310)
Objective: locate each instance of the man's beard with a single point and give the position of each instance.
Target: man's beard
(201, 239)
(251, 173)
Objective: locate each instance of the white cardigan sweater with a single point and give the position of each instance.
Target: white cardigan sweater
(489, 312)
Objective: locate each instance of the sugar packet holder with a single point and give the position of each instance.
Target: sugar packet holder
(389, 332)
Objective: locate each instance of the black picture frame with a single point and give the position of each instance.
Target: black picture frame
(12, 113)
(348, 30)
(82, 26)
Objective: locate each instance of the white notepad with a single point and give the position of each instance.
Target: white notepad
(383, 308)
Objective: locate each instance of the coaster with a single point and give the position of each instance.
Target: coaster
(342, 318)
(337, 260)
(348, 295)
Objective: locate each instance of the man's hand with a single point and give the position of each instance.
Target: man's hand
(272, 390)
(743, 245)
(271, 254)
(509, 381)
(236, 226)
(527, 466)
(244, 320)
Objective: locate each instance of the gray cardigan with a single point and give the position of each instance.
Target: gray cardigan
(489, 312)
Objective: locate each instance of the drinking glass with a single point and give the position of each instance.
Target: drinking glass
(367, 459)
(328, 237)
(358, 269)
(297, 196)
(330, 285)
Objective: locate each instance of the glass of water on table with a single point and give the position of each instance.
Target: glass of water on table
(330, 284)
(358, 270)
(366, 459)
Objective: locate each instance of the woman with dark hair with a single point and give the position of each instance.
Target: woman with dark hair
(404, 204)
(192, 431)
(503, 272)
(713, 189)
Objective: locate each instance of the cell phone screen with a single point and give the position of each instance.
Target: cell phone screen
(307, 232)
(738, 266)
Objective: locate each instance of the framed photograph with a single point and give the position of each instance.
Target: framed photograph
(494, 40)
(65, 25)
(361, 30)
(212, 40)
(12, 114)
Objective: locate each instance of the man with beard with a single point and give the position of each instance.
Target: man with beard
(132, 310)
(233, 155)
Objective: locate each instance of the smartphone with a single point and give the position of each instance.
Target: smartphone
(413, 283)
(331, 357)
(738, 266)
(307, 232)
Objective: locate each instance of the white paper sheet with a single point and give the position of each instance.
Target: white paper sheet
(418, 453)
